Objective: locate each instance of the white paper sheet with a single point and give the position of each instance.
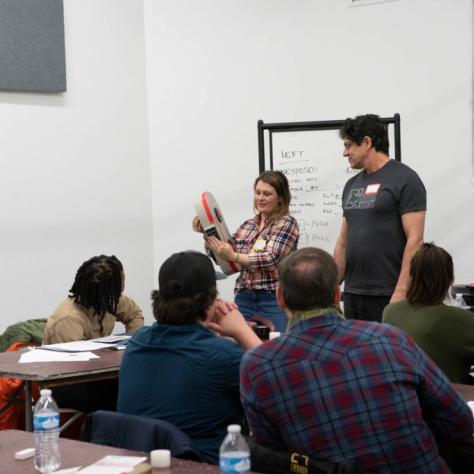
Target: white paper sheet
(471, 406)
(69, 470)
(39, 355)
(113, 338)
(77, 346)
(113, 465)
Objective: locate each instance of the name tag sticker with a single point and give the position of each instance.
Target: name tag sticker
(259, 245)
(372, 188)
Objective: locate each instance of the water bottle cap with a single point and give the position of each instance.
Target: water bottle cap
(45, 392)
(233, 429)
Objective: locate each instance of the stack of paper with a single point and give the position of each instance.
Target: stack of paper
(40, 355)
(113, 465)
(109, 465)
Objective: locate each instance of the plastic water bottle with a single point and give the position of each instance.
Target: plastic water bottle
(46, 427)
(459, 300)
(234, 454)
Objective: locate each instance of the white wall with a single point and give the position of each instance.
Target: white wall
(77, 168)
(217, 66)
(75, 174)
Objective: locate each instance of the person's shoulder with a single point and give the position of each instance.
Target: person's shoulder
(454, 311)
(143, 335)
(126, 301)
(262, 353)
(225, 346)
(402, 169)
(248, 224)
(351, 180)
(285, 221)
(66, 309)
(68, 323)
(394, 309)
(370, 332)
(144, 332)
(290, 219)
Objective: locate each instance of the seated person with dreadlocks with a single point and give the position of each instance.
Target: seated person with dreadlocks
(94, 305)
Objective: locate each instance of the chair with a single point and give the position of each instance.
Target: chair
(270, 461)
(138, 433)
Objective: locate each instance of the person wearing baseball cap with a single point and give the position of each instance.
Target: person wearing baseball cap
(178, 369)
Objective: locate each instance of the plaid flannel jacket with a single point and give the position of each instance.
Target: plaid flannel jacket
(338, 389)
(281, 238)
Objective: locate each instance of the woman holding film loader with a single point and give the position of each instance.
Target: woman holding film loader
(259, 245)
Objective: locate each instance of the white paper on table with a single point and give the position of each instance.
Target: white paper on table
(77, 346)
(112, 339)
(38, 355)
(113, 465)
(69, 470)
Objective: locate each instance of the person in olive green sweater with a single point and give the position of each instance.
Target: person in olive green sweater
(445, 333)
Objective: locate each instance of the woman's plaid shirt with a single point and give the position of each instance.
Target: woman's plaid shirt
(281, 238)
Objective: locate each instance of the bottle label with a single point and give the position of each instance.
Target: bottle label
(46, 422)
(236, 462)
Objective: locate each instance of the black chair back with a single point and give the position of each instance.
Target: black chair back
(138, 433)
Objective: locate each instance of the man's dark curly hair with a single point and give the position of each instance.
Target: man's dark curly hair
(369, 125)
(182, 310)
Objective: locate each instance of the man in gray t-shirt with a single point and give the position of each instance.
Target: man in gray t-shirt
(383, 221)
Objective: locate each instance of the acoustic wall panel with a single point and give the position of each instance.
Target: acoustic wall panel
(32, 53)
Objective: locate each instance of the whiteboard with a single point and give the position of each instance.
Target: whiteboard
(317, 171)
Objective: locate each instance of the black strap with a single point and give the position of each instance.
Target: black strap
(271, 461)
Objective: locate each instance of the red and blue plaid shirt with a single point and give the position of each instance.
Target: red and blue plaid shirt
(280, 238)
(352, 390)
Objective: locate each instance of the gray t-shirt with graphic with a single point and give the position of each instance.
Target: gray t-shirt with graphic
(373, 205)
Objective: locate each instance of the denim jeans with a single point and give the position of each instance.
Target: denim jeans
(263, 303)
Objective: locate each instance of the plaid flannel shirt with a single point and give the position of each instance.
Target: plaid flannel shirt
(352, 390)
(281, 238)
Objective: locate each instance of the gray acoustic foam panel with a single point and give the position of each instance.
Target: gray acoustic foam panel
(32, 54)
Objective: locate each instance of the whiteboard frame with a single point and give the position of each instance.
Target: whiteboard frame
(316, 125)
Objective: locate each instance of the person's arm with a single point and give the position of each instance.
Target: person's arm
(340, 251)
(444, 410)
(129, 314)
(228, 321)
(413, 225)
(251, 386)
(226, 251)
(65, 329)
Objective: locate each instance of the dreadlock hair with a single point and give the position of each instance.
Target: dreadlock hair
(98, 284)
